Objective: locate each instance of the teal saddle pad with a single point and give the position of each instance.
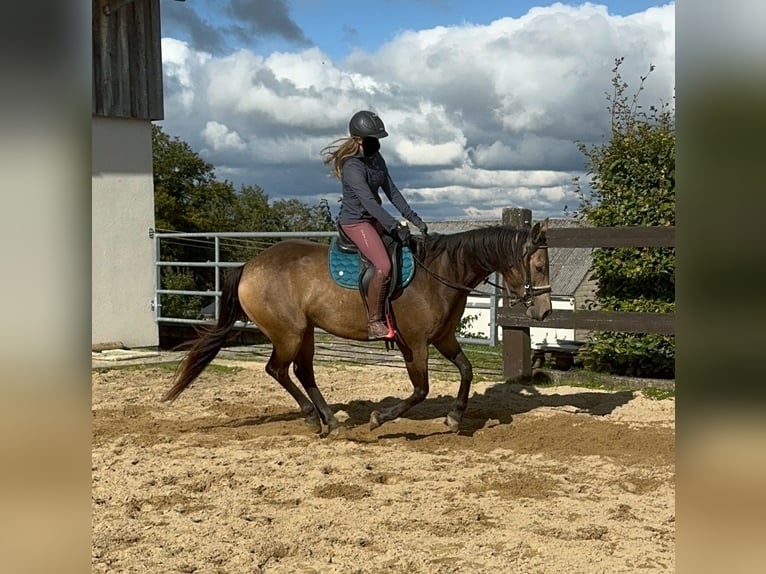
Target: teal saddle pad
(344, 267)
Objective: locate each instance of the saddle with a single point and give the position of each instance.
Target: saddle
(351, 269)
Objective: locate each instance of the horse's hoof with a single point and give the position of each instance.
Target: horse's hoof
(338, 433)
(314, 424)
(452, 422)
(374, 420)
(332, 424)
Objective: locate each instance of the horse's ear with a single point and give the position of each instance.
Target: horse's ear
(538, 231)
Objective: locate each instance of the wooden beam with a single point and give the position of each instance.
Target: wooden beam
(638, 236)
(615, 321)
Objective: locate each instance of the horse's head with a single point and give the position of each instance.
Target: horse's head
(529, 278)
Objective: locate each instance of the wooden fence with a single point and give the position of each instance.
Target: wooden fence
(517, 353)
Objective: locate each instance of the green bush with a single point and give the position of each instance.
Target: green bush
(180, 306)
(464, 328)
(632, 183)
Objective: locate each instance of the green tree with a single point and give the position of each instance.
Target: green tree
(252, 211)
(632, 183)
(297, 216)
(187, 196)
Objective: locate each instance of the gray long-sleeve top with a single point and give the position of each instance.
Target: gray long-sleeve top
(361, 178)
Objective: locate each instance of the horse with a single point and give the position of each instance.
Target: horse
(286, 291)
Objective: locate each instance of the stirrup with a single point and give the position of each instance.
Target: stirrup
(377, 330)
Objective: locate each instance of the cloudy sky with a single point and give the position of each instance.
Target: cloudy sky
(484, 100)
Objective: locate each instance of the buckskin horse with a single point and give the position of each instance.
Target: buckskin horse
(287, 292)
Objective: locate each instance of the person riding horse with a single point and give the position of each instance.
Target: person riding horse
(358, 163)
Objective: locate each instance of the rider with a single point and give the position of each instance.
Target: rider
(356, 161)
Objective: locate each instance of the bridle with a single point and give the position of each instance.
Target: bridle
(530, 291)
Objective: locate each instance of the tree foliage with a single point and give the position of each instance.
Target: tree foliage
(632, 183)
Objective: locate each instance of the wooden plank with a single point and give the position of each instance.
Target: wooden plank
(626, 236)
(112, 39)
(152, 40)
(106, 95)
(122, 68)
(95, 59)
(615, 321)
(138, 80)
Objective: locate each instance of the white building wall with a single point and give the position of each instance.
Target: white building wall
(122, 252)
(539, 336)
(549, 337)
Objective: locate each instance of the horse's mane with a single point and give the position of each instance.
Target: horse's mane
(486, 246)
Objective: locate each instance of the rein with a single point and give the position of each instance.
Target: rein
(530, 291)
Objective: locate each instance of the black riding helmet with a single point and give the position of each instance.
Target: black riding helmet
(366, 124)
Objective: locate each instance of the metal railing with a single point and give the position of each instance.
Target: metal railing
(488, 301)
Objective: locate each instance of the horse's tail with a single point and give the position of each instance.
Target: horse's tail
(206, 346)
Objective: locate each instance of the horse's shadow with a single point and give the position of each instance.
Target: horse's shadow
(498, 403)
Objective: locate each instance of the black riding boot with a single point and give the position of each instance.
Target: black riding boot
(376, 300)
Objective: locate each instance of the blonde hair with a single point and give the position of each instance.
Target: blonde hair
(338, 151)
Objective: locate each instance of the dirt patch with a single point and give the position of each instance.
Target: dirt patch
(229, 479)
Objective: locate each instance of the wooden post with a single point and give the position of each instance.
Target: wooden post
(517, 346)
(517, 216)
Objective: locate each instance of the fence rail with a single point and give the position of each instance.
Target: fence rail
(627, 236)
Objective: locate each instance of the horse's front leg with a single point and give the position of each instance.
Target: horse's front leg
(417, 368)
(450, 348)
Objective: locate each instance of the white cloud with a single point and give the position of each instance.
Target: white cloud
(478, 116)
(424, 153)
(221, 138)
(180, 64)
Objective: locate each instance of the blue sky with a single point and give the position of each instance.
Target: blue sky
(485, 101)
(340, 26)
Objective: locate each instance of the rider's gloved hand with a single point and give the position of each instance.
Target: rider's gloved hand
(402, 233)
(421, 225)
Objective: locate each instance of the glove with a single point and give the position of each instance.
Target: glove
(402, 233)
(421, 225)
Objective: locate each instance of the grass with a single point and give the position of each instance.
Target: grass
(485, 357)
(658, 394)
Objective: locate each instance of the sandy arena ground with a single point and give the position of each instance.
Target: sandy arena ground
(228, 479)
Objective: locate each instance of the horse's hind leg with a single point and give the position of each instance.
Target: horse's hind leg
(417, 368)
(304, 371)
(278, 367)
(450, 348)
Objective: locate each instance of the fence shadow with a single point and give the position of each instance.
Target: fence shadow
(499, 403)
